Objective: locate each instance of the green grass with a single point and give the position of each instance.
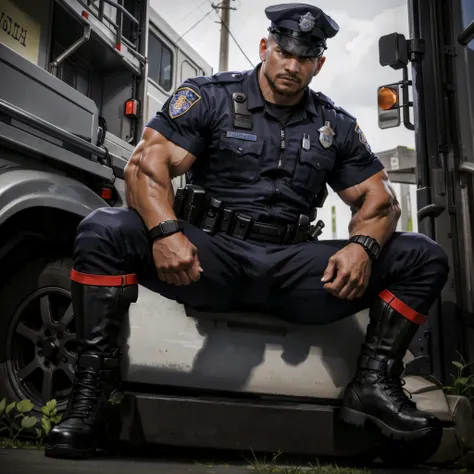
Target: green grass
(8, 443)
(276, 467)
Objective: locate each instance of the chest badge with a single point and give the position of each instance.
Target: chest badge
(326, 135)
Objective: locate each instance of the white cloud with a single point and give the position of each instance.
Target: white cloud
(352, 72)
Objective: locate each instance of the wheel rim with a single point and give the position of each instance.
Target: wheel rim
(41, 347)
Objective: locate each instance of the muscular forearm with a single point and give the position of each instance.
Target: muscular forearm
(376, 218)
(148, 188)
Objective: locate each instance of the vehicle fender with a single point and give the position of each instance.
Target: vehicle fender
(24, 188)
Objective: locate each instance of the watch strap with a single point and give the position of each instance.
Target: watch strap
(370, 245)
(164, 229)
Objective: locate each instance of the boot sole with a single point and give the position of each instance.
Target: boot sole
(357, 418)
(64, 451)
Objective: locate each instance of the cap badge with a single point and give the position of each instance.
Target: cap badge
(307, 23)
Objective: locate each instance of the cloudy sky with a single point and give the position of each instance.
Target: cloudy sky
(352, 72)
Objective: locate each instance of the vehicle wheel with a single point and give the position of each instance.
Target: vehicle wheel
(408, 454)
(37, 334)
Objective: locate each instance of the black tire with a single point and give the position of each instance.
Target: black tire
(37, 334)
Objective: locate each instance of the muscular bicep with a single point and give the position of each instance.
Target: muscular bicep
(377, 187)
(155, 153)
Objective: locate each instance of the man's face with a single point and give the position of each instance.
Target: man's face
(287, 74)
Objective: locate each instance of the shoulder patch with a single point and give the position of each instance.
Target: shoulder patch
(183, 99)
(362, 138)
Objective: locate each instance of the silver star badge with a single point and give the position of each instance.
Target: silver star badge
(307, 23)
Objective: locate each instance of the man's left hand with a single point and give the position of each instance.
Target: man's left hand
(348, 272)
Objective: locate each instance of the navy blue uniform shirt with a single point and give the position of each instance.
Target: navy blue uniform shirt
(271, 173)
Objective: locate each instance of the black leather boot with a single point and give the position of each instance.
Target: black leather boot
(376, 393)
(99, 312)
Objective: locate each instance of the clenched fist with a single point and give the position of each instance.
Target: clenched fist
(348, 272)
(176, 260)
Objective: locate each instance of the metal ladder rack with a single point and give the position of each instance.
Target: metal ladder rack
(121, 12)
(99, 15)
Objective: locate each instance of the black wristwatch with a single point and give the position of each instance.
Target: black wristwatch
(164, 229)
(371, 246)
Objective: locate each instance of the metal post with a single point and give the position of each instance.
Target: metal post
(143, 80)
(74, 47)
(405, 201)
(224, 51)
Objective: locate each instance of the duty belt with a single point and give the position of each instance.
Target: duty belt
(210, 215)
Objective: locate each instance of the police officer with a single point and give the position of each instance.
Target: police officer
(263, 146)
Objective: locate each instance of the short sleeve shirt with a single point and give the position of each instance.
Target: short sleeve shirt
(356, 161)
(272, 171)
(185, 118)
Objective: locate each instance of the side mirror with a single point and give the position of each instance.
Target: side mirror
(393, 51)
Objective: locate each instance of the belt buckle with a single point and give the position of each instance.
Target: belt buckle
(241, 226)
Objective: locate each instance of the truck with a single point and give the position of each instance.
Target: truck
(79, 79)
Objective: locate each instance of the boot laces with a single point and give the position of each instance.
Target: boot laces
(86, 393)
(394, 386)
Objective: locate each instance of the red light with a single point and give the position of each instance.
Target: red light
(118, 46)
(85, 14)
(106, 193)
(131, 108)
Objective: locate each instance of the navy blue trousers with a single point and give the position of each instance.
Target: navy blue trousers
(283, 279)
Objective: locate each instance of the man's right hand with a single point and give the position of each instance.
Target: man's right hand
(176, 260)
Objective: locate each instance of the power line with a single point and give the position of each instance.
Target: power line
(238, 45)
(231, 34)
(198, 7)
(194, 26)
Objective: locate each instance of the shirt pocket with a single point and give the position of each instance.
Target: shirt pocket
(312, 169)
(238, 160)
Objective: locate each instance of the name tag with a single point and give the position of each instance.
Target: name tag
(242, 136)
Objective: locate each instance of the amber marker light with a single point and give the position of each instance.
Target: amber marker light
(387, 98)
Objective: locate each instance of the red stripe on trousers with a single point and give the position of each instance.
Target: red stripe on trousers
(400, 307)
(104, 280)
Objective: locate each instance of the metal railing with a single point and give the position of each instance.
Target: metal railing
(467, 35)
(96, 9)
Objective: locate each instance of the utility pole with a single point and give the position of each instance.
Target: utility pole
(225, 8)
(224, 52)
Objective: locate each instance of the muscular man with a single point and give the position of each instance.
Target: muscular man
(264, 145)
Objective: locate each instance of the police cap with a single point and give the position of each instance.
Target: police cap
(301, 29)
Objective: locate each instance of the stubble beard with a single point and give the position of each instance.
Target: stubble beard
(280, 91)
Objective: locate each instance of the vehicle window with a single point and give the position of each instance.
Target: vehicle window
(187, 71)
(468, 16)
(160, 57)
